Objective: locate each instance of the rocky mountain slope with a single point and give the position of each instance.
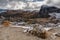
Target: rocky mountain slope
(22, 14)
(45, 10)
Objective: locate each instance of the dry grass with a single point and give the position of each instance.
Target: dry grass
(6, 23)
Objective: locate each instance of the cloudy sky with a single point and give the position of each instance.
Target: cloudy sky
(27, 4)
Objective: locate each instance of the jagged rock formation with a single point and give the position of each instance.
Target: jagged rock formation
(45, 10)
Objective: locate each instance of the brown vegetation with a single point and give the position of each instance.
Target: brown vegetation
(6, 23)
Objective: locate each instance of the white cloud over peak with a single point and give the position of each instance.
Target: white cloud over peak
(27, 4)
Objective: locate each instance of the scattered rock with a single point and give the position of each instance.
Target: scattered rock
(48, 29)
(58, 34)
(50, 25)
(39, 32)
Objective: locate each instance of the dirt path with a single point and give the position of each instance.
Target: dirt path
(14, 33)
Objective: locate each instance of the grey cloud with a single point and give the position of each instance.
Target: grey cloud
(53, 3)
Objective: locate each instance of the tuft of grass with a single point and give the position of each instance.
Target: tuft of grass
(6, 23)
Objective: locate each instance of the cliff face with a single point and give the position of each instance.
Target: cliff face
(45, 10)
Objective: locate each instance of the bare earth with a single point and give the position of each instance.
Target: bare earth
(14, 33)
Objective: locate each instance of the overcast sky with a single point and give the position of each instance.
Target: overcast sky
(9, 3)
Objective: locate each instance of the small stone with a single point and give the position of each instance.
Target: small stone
(58, 34)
